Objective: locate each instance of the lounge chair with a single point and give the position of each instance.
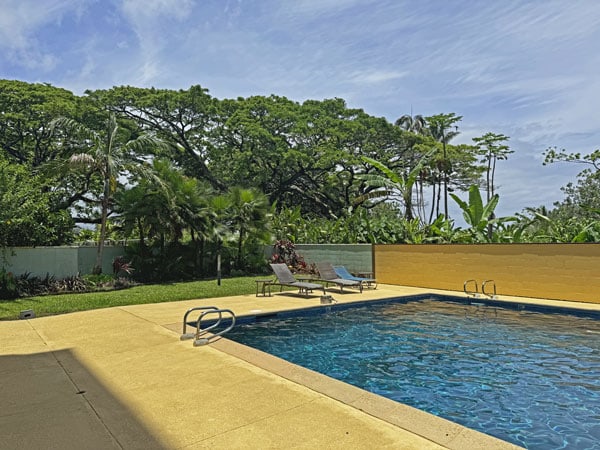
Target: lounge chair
(286, 278)
(327, 274)
(342, 272)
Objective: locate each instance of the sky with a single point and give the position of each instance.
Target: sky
(527, 69)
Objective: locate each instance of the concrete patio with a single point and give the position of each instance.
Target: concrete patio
(121, 378)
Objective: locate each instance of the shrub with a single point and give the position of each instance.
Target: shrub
(285, 252)
(25, 285)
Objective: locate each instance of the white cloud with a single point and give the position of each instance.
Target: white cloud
(19, 22)
(20, 18)
(524, 69)
(152, 22)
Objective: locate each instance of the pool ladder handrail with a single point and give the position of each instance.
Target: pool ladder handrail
(207, 310)
(185, 335)
(483, 288)
(468, 292)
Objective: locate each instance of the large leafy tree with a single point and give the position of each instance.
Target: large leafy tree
(377, 139)
(253, 145)
(185, 119)
(582, 197)
(26, 214)
(26, 111)
(299, 154)
(337, 138)
(107, 154)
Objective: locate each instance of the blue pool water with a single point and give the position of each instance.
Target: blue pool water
(529, 378)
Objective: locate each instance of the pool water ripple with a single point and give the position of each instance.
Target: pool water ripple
(528, 378)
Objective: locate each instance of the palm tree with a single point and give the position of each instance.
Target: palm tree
(109, 154)
(415, 124)
(248, 216)
(240, 214)
(390, 181)
(492, 148)
(439, 127)
(169, 204)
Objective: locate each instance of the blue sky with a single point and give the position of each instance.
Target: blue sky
(526, 69)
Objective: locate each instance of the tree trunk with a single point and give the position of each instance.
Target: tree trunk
(439, 196)
(432, 202)
(240, 247)
(142, 237)
(408, 212)
(97, 270)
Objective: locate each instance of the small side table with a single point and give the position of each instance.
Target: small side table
(371, 283)
(263, 287)
(306, 278)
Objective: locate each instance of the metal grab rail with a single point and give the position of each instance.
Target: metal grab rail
(198, 340)
(483, 288)
(185, 335)
(473, 293)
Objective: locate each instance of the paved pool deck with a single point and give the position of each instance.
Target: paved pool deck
(120, 378)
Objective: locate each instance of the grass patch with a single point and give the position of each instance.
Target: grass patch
(48, 305)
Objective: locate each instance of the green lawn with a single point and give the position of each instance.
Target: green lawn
(157, 293)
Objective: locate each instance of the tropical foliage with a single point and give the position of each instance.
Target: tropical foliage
(106, 154)
(189, 180)
(27, 213)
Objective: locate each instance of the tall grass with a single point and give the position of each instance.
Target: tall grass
(65, 303)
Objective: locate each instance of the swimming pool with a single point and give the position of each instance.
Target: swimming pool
(526, 377)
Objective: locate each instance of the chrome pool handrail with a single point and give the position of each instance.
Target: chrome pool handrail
(198, 340)
(468, 292)
(483, 288)
(185, 335)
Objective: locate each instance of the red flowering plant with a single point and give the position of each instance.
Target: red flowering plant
(284, 252)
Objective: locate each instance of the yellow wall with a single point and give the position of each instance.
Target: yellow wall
(552, 271)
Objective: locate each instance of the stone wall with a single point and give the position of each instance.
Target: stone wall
(59, 262)
(356, 257)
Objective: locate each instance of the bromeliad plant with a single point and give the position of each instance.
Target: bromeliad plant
(120, 266)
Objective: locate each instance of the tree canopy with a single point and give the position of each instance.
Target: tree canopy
(217, 169)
